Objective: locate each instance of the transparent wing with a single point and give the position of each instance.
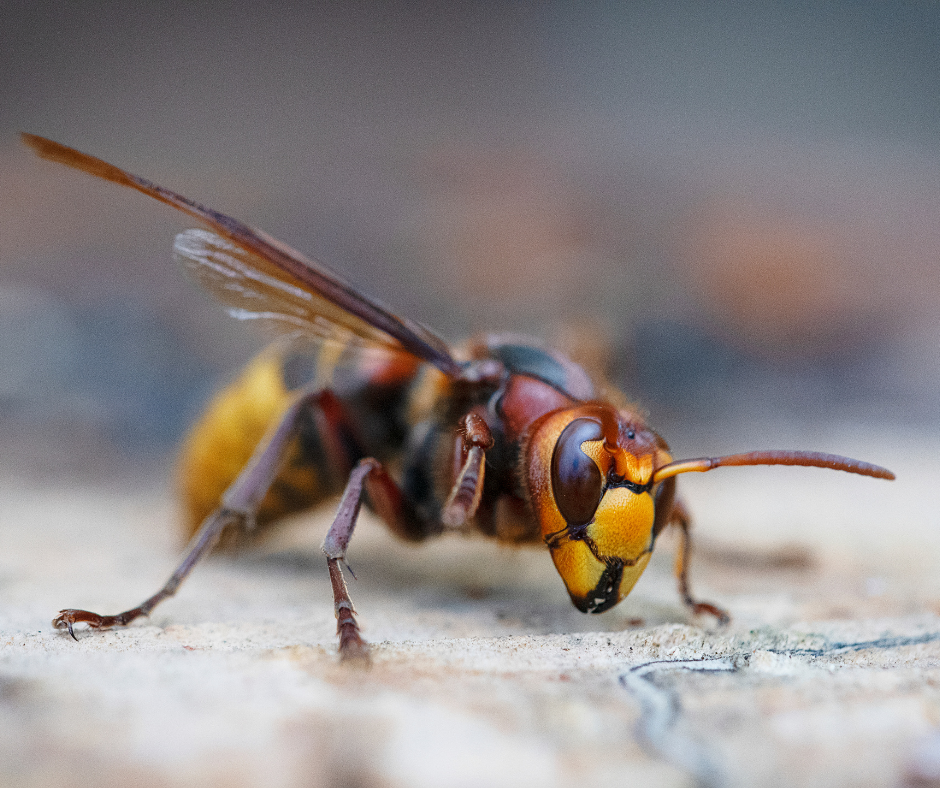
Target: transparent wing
(258, 277)
(235, 276)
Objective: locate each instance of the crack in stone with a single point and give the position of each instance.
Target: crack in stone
(660, 709)
(661, 706)
(879, 643)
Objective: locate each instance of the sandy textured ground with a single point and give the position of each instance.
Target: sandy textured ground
(483, 673)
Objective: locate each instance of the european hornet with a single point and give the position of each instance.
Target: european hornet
(502, 435)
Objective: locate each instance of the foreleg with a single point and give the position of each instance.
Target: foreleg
(473, 439)
(680, 518)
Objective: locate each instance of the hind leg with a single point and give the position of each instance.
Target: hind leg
(239, 504)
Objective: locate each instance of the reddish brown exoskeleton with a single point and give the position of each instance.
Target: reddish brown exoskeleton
(502, 436)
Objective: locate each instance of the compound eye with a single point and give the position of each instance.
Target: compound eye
(576, 479)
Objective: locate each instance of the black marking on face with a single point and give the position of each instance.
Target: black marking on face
(607, 592)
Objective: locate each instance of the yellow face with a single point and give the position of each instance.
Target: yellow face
(590, 481)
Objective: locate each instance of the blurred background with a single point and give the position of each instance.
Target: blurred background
(740, 202)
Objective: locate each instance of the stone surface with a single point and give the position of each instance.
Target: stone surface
(482, 672)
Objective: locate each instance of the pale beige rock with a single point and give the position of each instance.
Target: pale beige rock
(483, 673)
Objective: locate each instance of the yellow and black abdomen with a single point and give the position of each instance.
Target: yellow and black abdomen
(223, 439)
(372, 387)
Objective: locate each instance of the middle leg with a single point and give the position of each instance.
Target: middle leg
(368, 477)
(400, 514)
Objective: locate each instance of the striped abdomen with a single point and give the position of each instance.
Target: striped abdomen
(371, 387)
